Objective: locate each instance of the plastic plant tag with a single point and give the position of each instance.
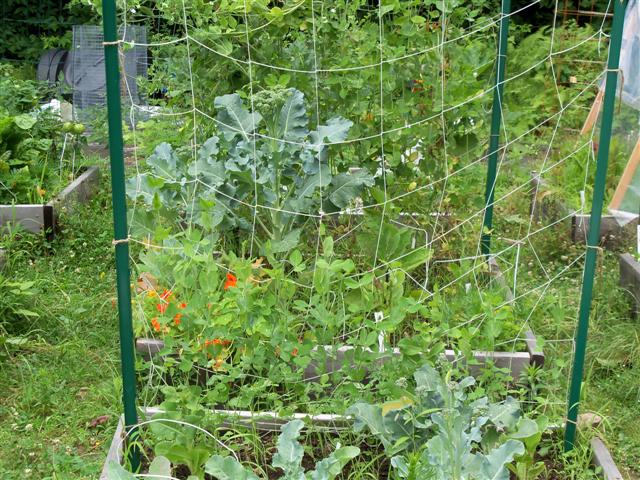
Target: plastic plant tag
(378, 317)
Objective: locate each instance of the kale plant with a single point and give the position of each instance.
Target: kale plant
(441, 434)
(288, 458)
(273, 161)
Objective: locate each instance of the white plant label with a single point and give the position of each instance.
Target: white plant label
(378, 317)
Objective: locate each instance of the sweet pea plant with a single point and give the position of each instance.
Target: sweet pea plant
(260, 325)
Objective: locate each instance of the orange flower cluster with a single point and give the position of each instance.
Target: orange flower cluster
(217, 341)
(231, 281)
(156, 324)
(219, 359)
(165, 298)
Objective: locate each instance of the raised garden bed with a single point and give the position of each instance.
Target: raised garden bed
(630, 278)
(545, 207)
(43, 218)
(271, 422)
(516, 361)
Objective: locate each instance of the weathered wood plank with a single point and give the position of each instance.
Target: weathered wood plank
(43, 218)
(602, 458)
(31, 217)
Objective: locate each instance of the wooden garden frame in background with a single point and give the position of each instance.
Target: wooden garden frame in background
(634, 159)
(626, 178)
(593, 113)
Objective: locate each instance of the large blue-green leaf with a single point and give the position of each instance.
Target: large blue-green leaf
(330, 467)
(228, 468)
(292, 120)
(209, 148)
(428, 379)
(388, 426)
(347, 186)
(160, 466)
(312, 182)
(210, 172)
(494, 465)
(290, 452)
(505, 415)
(148, 186)
(115, 471)
(164, 161)
(336, 130)
(234, 119)
(287, 243)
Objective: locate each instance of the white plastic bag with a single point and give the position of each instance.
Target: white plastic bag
(630, 56)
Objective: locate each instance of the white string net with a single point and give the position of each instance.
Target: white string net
(309, 232)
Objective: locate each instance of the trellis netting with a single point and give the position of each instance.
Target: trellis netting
(308, 221)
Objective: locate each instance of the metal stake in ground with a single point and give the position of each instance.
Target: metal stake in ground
(594, 223)
(121, 245)
(496, 125)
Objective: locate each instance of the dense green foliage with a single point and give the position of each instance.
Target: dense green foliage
(37, 150)
(306, 201)
(28, 27)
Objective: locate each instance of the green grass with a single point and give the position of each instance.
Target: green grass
(67, 374)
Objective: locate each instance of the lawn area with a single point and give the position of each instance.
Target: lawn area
(65, 376)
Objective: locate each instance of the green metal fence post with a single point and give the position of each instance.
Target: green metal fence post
(496, 125)
(123, 275)
(593, 238)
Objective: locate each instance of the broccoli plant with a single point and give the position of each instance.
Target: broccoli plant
(441, 434)
(288, 458)
(269, 173)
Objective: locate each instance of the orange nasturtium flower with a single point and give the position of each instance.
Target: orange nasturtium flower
(165, 296)
(156, 324)
(182, 305)
(177, 318)
(231, 281)
(217, 341)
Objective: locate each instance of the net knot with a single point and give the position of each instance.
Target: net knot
(118, 241)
